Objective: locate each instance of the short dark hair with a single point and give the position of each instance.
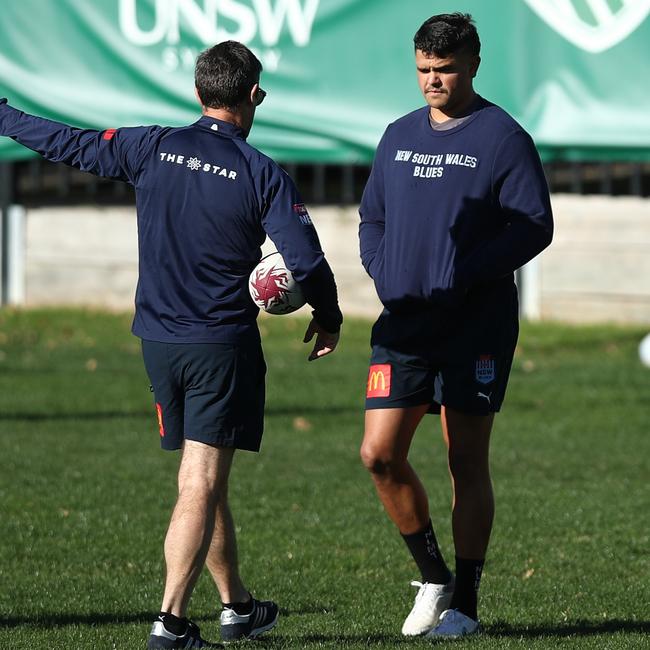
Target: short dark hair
(447, 34)
(225, 74)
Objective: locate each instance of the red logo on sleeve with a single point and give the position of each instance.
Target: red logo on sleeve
(109, 133)
(160, 420)
(303, 214)
(378, 380)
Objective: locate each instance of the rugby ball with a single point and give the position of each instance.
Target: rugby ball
(644, 350)
(273, 288)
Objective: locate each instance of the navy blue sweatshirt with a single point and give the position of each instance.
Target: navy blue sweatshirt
(445, 212)
(205, 201)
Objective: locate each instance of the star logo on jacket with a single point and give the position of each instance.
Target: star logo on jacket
(194, 164)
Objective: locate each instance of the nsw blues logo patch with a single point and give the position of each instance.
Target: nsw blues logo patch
(303, 215)
(485, 369)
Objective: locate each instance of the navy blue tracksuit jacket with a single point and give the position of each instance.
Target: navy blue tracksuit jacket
(205, 202)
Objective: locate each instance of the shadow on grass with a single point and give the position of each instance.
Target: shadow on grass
(55, 417)
(578, 628)
(498, 629)
(285, 612)
(17, 416)
(341, 640)
(52, 619)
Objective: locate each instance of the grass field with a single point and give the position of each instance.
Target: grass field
(85, 494)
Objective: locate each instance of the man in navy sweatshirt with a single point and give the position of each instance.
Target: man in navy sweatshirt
(205, 202)
(455, 203)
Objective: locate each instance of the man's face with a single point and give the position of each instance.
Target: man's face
(446, 83)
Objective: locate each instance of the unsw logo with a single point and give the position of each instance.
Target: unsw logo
(172, 23)
(593, 25)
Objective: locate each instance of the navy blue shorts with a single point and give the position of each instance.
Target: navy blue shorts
(208, 392)
(461, 361)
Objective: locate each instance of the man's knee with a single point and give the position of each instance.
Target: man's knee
(467, 467)
(202, 488)
(204, 469)
(378, 460)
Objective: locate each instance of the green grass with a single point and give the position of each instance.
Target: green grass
(86, 494)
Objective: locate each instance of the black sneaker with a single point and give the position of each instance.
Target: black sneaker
(261, 619)
(162, 639)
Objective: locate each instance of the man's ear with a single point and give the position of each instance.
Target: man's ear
(475, 65)
(253, 95)
(196, 94)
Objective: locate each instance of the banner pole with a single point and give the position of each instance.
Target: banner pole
(6, 173)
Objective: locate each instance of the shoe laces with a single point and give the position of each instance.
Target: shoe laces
(426, 590)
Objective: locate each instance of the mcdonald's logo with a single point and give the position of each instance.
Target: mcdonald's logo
(378, 380)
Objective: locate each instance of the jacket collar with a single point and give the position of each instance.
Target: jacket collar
(219, 126)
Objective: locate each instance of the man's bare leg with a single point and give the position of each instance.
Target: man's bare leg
(384, 451)
(202, 478)
(468, 442)
(243, 616)
(222, 561)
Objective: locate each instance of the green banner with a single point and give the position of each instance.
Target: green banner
(573, 72)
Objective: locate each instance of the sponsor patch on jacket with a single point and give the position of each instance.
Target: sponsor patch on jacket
(195, 164)
(303, 215)
(108, 134)
(378, 381)
(485, 369)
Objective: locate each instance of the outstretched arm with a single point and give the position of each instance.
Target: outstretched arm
(113, 153)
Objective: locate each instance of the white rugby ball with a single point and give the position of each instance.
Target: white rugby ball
(273, 288)
(644, 350)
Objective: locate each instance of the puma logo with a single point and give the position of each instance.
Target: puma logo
(487, 397)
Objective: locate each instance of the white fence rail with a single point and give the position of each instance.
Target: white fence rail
(597, 269)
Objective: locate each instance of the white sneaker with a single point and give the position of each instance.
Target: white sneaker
(430, 601)
(453, 624)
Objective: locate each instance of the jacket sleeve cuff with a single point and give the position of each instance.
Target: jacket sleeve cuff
(329, 321)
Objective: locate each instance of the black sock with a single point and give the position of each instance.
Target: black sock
(427, 555)
(243, 609)
(173, 624)
(468, 579)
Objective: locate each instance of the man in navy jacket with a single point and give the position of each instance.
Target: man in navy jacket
(455, 203)
(205, 202)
